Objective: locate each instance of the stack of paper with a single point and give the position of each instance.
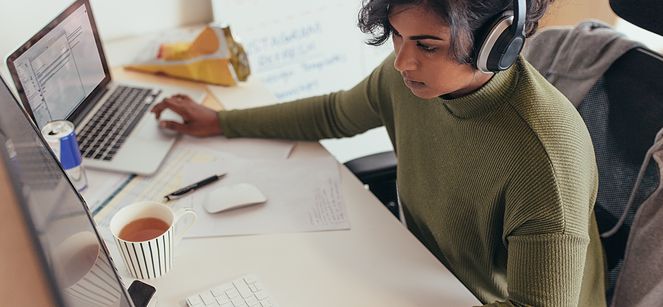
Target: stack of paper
(297, 199)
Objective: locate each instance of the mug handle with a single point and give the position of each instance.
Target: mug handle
(180, 216)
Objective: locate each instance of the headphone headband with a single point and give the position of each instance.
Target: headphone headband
(520, 16)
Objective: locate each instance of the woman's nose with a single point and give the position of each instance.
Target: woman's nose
(405, 60)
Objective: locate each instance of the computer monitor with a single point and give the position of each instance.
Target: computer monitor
(73, 256)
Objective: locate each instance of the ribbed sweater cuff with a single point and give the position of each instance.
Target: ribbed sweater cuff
(546, 270)
(223, 123)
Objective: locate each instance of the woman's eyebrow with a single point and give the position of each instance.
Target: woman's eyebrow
(418, 37)
(425, 36)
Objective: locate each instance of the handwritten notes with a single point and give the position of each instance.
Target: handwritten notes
(301, 48)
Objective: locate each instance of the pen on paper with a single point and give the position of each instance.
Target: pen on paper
(192, 187)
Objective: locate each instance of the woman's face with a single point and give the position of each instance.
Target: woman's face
(422, 46)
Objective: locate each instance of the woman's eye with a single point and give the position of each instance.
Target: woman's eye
(426, 47)
(396, 38)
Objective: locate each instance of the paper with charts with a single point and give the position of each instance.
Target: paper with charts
(303, 194)
(103, 185)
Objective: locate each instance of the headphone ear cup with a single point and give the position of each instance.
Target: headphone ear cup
(511, 52)
(505, 51)
(498, 48)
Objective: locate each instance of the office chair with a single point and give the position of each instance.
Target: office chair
(378, 172)
(634, 79)
(623, 111)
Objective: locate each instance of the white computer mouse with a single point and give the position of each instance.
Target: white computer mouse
(169, 115)
(228, 197)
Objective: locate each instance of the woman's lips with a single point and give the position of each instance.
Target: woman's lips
(414, 84)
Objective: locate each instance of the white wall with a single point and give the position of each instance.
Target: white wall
(21, 19)
(652, 40)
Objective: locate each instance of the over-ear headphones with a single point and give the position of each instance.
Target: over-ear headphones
(497, 48)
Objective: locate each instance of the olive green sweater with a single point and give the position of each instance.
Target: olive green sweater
(499, 185)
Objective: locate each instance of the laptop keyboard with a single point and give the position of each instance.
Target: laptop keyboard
(104, 134)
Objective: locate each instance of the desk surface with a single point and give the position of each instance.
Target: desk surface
(378, 262)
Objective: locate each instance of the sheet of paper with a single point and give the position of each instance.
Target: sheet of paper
(302, 195)
(184, 165)
(244, 147)
(100, 186)
(244, 95)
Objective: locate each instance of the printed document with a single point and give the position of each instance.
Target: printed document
(302, 195)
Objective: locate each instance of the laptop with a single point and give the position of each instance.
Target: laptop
(62, 73)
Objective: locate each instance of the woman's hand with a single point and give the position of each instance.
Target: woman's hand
(198, 120)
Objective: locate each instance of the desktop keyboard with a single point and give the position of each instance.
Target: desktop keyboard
(102, 136)
(245, 291)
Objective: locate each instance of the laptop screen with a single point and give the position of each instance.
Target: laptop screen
(75, 257)
(60, 67)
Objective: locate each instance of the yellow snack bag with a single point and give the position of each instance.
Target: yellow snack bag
(212, 57)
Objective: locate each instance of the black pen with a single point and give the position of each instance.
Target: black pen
(192, 187)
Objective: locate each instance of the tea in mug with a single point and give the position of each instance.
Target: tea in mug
(143, 229)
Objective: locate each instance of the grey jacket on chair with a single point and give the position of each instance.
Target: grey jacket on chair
(573, 59)
(640, 283)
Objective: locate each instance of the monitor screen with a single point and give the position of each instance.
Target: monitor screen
(76, 257)
(59, 67)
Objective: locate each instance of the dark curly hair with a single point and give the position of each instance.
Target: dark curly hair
(464, 17)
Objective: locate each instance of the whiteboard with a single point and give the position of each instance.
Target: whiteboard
(301, 48)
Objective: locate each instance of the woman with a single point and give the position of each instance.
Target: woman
(496, 171)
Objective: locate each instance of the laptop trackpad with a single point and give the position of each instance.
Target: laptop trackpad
(149, 130)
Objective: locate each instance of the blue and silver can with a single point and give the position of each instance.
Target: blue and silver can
(61, 137)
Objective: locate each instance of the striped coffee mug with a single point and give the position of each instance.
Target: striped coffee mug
(150, 257)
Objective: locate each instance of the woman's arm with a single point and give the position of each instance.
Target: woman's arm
(545, 270)
(554, 254)
(339, 114)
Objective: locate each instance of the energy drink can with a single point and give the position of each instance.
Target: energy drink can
(61, 137)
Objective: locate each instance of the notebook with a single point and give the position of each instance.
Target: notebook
(62, 73)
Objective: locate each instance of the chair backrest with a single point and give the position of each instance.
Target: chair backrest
(621, 131)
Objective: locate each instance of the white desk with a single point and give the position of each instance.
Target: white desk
(376, 263)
